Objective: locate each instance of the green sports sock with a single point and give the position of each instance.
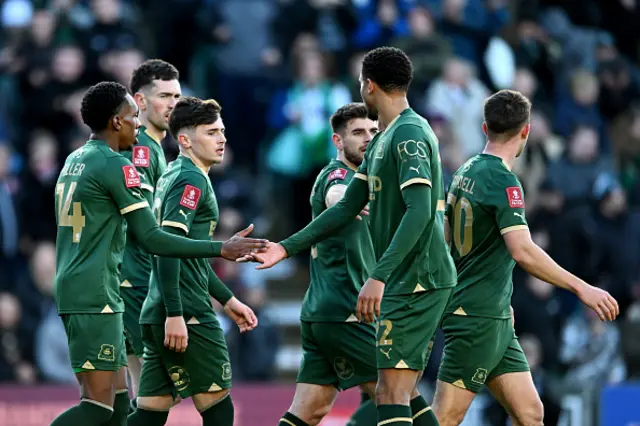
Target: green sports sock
(421, 412)
(394, 415)
(142, 417)
(120, 409)
(219, 414)
(291, 420)
(85, 413)
(365, 415)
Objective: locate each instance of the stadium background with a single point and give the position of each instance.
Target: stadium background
(280, 68)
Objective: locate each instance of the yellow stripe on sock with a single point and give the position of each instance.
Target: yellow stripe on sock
(287, 421)
(396, 419)
(421, 412)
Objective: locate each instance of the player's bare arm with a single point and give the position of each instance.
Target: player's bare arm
(539, 264)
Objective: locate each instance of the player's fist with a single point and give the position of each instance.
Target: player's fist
(369, 300)
(600, 301)
(241, 314)
(239, 246)
(175, 334)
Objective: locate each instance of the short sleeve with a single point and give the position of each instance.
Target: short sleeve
(412, 154)
(182, 200)
(124, 184)
(505, 195)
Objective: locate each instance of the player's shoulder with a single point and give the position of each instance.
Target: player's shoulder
(336, 171)
(183, 175)
(411, 126)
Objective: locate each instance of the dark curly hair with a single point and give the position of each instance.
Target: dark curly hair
(152, 69)
(388, 67)
(346, 113)
(505, 113)
(100, 103)
(191, 112)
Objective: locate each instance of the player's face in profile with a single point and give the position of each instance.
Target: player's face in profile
(161, 98)
(372, 111)
(209, 142)
(129, 123)
(357, 136)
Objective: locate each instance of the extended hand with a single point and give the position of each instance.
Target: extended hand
(239, 246)
(273, 255)
(369, 300)
(175, 334)
(600, 301)
(241, 314)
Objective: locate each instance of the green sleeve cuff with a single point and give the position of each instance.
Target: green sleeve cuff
(218, 290)
(216, 247)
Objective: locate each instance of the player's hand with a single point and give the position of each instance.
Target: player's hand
(364, 212)
(369, 300)
(600, 301)
(274, 254)
(239, 246)
(513, 316)
(241, 314)
(175, 334)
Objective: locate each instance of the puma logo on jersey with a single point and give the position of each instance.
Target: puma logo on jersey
(386, 353)
(519, 215)
(186, 215)
(415, 169)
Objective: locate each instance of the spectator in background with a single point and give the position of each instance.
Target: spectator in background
(51, 349)
(451, 152)
(381, 21)
(427, 49)
(13, 367)
(9, 236)
(617, 87)
(625, 138)
(630, 330)
(37, 203)
(458, 95)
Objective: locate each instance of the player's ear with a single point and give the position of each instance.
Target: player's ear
(524, 133)
(484, 128)
(183, 140)
(337, 141)
(116, 122)
(141, 101)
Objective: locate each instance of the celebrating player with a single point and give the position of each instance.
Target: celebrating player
(339, 352)
(156, 90)
(188, 359)
(485, 208)
(401, 179)
(96, 189)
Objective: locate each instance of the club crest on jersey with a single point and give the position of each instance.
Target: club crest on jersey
(337, 174)
(190, 197)
(141, 156)
(131, 176)
(514, 194)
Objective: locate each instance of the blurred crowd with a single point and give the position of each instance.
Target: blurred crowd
(280, 68)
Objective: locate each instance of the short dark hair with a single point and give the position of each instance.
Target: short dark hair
(101, 102)
(345, 114)
(152, 69)
(192, 112)
(388, 67)
(505, 113)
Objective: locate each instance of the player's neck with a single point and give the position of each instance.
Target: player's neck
(391, 108)
(102, 136)
(204, 168)
(504, 151)
(348, 163)
(156, 134)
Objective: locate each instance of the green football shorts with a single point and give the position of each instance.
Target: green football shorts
(478, 349)
(96, 341)
(133, 298)
(341, 354)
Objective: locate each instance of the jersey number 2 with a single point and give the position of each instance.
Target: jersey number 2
(462, 234)
(76, 219)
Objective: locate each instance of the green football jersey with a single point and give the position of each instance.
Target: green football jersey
(341, 263)
(485, 201)
(406, 153)
(148, 157)
(95, 188)
(184, 199)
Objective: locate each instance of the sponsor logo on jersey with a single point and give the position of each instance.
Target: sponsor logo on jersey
(141, 156)
(131, 176)
(411, 148)
(337, 174)
(514, 194)
(190, 197)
